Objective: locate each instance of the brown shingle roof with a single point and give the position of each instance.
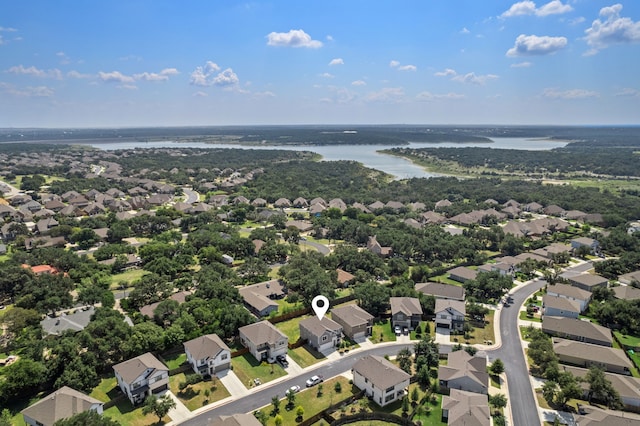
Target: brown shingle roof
(318, 327)
(61, 404)
(353, 315)
(209, 345)
(381, 373)
(467, 408)
(407, 305)
(576, 327)
(131, 369)
(593, 353)
(262, 332)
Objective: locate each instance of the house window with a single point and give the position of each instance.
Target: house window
(389, 397)
(224, 356)
(387, 390)
(324, 338)
(366, 380)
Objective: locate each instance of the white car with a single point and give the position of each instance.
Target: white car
(293, 389)
(314, 380)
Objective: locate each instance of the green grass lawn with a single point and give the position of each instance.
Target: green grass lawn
(128, 276)
(382, 332)
(479, 335)
(627, 341)
(423, 324)
(291, 328)
(444, 278)
(305, 356)
(193, 397)
(495, 381)
(284, 306)
(248, 368)
(309, 400)
(534, 318)
(175, 360)
(106, 390)
(125, 414)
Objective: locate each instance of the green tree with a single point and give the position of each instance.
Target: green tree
(5, 417)
(498, 401)
(320, 389)
(275, 401)
(22, 378)
(601, 389)
(158, 406)
(497, 367)
(291, 399)
(278, 420)
(372, 297)
(89, 417)
(415, 395)
(549, 391)
(404, 360)
(299, 413)
(337, 387)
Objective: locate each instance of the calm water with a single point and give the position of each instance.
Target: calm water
(365, 154)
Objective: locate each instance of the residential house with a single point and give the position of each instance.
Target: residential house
(245, 419)
(628, 387)
(560, 307)
(461, 408)
(376, 205)
(582, 297)
(141, 376)
(180, 297)
(356, 322)
(41, 269)
(259, 202)
(208, 354)
(264, 340)
(44, 241)
(588, 282)
(381, 380)
(345, 278)
(594, 416)
(432, 217)
(505, 269)
(532, 207)
(442, 204)
(76, 321)
(61, 404)
(300, 225)
(260, 298)
(282, 203)
(300, 203)
(318, 200)
(586, 354)
(552, 250)
(593, 245)
(630, 278)
(441, 291)
(576, 329)
(553, 210)
(45, 225)
(626, 292)
(464, 372)
(337, 203)
(374, 246)
(462, 274)
(405, 312)
(321, 334)
(450, 314)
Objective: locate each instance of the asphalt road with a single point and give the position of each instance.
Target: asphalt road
(324, 250)
(192, 196)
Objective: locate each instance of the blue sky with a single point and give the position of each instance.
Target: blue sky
(156, 62)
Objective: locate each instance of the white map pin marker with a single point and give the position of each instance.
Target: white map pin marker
(320, 305)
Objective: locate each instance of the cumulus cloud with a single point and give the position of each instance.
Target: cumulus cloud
(629, 92)
(336, 61)
(127, 86)
(521, 65)
(387, 94)
(407, 68)
(359, 83)
(76, 74)
(36, 72)
(529, 45)
(115, 77)
(327, 75)
(293, 38)
(27, 92)
(464, 30)
(569, 94)
(202, 76)
(472, 78)
(226, 78)
(428, 96)
(394, 64)
(527, 7)
(610, 28)
(446, 73)
(161, 76)
(200, 94)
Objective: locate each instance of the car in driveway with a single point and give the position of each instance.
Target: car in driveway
(293, 389)
(405, 331)
(397, 330)
(283, 360)
(314, 380)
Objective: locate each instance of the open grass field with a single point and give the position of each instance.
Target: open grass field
(193, 397)
(248, 368)
(127, 276)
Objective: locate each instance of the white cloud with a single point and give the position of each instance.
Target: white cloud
(527, 45)
(407, 68)
(265, 94)
(521, 65)
(576, 21)
(329, 38)
(64, 59)
(76, 74)
(161, 76)
(8, 29)
(200, 94)
(115, 77)
(36, 72)
(428, 96)
(527, 7)
(394, 64)
(629, 92)
(327, 75)
(127, 86)
(569, 94)
(27, 92)
(359, 83)
(472, 78)
(612, 30)
(226, 78)
(464, 30)
(387, 94)
(446, 73)
(294, 38)
(336, 61)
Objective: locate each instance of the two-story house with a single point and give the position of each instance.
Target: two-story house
(141, 376)
(405, 312)
(356, 323)
(264, 340)
(464, 372)
(322, 335)
(208, 354)
(380, 379)
(61, 404)
(450, 314)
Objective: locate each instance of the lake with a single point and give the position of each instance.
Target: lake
(365, 154)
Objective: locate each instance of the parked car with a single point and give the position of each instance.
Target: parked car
(283, 360)
(293, 389)
(405, 331)
(397, 330)
(314, 380)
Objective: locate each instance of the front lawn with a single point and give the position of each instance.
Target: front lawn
(193, 397)
(423, 325)
(525, 317)
(248, 368)
(382, 332)
(309, 400)
(305, 356)
(125, 414)
(128, 276)
(482, 334)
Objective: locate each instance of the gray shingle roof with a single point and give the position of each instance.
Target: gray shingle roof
(61, 404)
(380, 372)
(131, 369)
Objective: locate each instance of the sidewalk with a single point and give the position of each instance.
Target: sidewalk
(230, 381)
(179, 413)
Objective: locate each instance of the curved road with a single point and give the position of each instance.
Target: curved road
(324, 250)
(192, 196)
